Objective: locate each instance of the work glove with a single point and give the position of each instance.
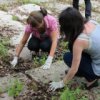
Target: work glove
(14, 61)
(56, 85)
(47, 63)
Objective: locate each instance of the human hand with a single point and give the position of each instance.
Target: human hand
(47, 63)
(14, 61)
(56, 85)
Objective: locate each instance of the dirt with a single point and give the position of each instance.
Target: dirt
(35, 90)
(41, 90)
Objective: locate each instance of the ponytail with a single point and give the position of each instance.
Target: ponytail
(36, 17)
(43, 11)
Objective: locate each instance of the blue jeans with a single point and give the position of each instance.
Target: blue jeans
(87, 7)
(85, 67)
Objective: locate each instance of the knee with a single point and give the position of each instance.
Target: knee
(67, 58)
(45, 47)
(29, 46)
(33, 47)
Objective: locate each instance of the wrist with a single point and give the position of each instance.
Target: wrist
(16, 57)
(62, 82)
(50, 57)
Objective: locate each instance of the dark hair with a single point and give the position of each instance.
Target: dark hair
(71, 23)
(36, 17)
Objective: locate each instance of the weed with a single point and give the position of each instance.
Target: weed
(4, 7)
(54, 98)
(39, 60)
(3, 51)
(15, 87)
(68, 94)
(27, 1)
(35, 61)
(15, 18)
(5, 41)
(23, 1)
(4, 47)
(42, 59)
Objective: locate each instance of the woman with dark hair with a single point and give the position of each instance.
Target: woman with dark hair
(84, 42)
(43, 29)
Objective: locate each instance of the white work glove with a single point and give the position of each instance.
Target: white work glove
(14, 61)
(47, 63)
(56, 85)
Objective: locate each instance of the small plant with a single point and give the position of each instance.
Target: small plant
(4, 7)
(68, 94)
(15, 87)
(28, 1)
(42, 59)
(5, 41)
(23, 1)
(54, 98)
(39, 60)
(4, 47)
(3, 51)
(15, 18)
(35, 61)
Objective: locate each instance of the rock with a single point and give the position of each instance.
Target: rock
(5, 96)
(5, 81)
(26, 54)
(55, 73)
(23, 11)
(9, 26)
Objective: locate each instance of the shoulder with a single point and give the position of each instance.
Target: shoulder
(28, 28)
(51, 22)
(81, 43)
(50, 18)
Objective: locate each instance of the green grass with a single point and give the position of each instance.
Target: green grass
(4, 7)
(23, 1)
(69, 94)
(15, 87)
(27, 1)
(4, 43)
(15, 18)
(38, 61)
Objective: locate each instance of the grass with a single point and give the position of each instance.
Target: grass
(38, 61)
(15, 18)
(27, 1)
(4, 43)
(69, 94)
(23, 1)
(4, 7)
(15, 87)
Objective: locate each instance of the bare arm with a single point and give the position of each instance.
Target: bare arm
(21, 44)
(78, 47)
(54, 38)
